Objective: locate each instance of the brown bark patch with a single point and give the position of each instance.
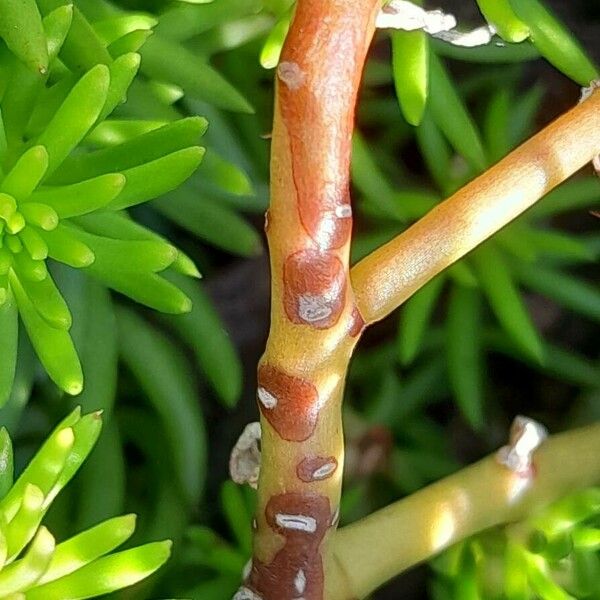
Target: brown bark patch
(316, 468)
(297, 569)
(290, 404)
(314, 288)
(319, 75)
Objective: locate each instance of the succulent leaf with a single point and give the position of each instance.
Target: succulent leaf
(51, 175)
(82, 566)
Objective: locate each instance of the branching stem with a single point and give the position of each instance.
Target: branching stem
(386, 278)
(483, 495)
(318, 312)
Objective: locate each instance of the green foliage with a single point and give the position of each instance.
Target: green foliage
(60, 202)
(551, 555)
(216, 560)
(526, 253)
(33, 564)
(100, 180)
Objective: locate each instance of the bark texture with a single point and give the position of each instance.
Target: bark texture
(314, 320)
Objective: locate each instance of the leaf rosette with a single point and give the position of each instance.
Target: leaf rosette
(64, 195)
(32, 564)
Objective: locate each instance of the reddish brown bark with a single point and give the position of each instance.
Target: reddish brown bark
(290, 404)
(314, 321)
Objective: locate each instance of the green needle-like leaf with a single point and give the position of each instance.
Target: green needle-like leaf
(223, 174)
(45, 467)
(186, 21)
(542, 583)
(82, 49)
(498, 285)
(95, 337)
(158, 177)
(28, 171)
(82, 197)
(558, 362)
(436, 152)
(57, 25)
(134, 152)
(522, 115)
(102, 478)
(116, 131)
(488, 54)
(76, 115)
(64, 247)
(464, 351)
(6, 463)
(465, 585)
(496, 126)
(164, 376)
(148, 289)
(210, 550)
(131, 42)
(451, 116)
(586, 539)
(557, 245)
(238, 517)
(9, 334)
(415, 317)
(372, 182)
(88, 546)
(134, 277)
(110, 30)
(106, 574)
(54, 347)
(23, 89)
(119, 226)
(586, 570)
(566, 290)
(86, 431)
(48, 302)
(122, 73)
(22, 30)
(500, 14)
(25, 572)
(516, 586)
(166, 61)
(410, 63)
(210, 221)
(203, 330)
(150, 256)
(26, 266)
(271, 50)
(23, 526)
(45, 105)
(568, 512)
(554, 42)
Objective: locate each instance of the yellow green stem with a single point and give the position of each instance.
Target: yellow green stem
(382, 545)
(391, 274)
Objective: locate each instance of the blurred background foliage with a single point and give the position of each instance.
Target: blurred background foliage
(512, 328)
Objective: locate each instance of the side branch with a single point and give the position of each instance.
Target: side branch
(390, 275)
(384, 544)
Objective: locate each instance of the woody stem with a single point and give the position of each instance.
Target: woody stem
(371, 551)
(391, 274)
(314, 322)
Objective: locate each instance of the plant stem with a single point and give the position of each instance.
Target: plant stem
(314, 322)
(371, 551)
(315, 319)
(391, 274)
